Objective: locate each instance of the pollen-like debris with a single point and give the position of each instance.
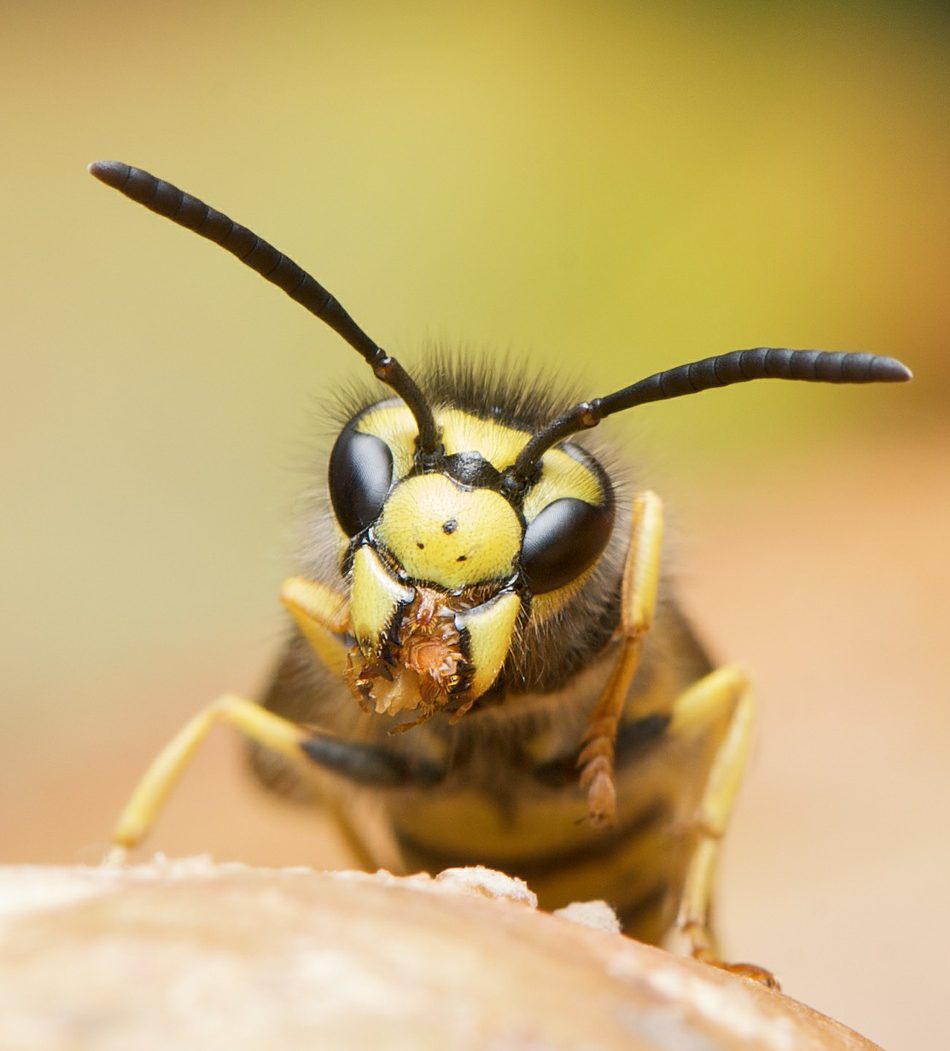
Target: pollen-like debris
(431, 647)
(421, 671)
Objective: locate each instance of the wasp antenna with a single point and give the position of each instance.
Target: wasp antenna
(721, 370)
(188, 211)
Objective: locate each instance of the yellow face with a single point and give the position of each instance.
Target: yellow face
(442, 559)
(447, 534)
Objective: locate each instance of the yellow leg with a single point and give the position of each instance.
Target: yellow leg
(719, 705)
(323, 616)
(637, 606)
(153, 790)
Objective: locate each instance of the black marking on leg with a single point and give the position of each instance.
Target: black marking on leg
(371, 765)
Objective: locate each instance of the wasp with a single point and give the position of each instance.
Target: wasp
(484, 640)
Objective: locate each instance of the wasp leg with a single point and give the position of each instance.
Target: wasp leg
(360, 763)
(256, 723)
(720, 706)
(153, 789)
(637, 606)
(323, 616)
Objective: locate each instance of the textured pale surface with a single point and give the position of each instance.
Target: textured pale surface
(194, 955)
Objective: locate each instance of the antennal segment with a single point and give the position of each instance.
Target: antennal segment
(193, 214)
(722, 370)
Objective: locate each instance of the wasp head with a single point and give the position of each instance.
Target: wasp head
(444, 557)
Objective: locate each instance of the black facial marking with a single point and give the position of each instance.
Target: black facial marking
(449, 526)
(566, 538)
(471, 468)
(361, 475)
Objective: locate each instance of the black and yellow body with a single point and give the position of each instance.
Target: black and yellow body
(500, 786)
(486, 665)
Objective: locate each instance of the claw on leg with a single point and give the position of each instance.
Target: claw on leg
(116, 857)
(704, 953)
(597, 773)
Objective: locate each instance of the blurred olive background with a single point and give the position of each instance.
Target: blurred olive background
(605, 189)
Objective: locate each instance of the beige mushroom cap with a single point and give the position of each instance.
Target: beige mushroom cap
(193, 955)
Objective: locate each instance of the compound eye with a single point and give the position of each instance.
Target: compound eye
(566, 538)
(361, 475)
